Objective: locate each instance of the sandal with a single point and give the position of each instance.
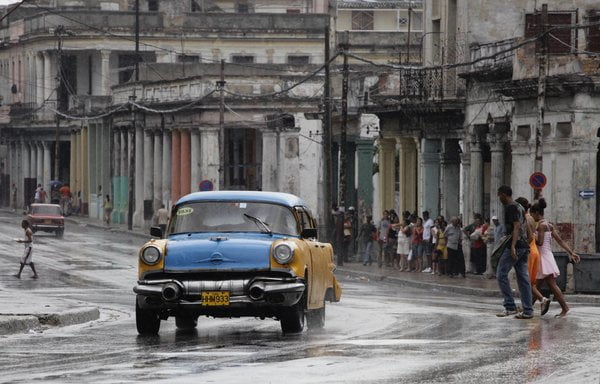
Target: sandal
(522, 315)
(545, 304)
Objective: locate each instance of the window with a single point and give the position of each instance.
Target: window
(188, 58)
(242, 59)
(242, 7)
(298, 60)
(362, 20)
(152, 5)
(560, 41)
(292, 10)
(593, 32)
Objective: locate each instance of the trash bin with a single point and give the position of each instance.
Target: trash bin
(587, 274)
(562, 260)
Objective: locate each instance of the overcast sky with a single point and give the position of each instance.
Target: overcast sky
(5, 2)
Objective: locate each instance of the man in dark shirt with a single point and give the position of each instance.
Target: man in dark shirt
(515, 255)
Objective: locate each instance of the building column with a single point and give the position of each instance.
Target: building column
(105, 72)
(23, 172)
(476, 178)
(407, 174)
(450, 167)
(47, 166)
(138, 213)
(148, 176)
(350, 197)
(364, 149)
(124, 184)
(74, 159)
(166, 169)
(209, 156)
(497, 143)
(465, 159)
(84, 185)
(116, 183)
(175, 165)
(289, 166)
(158, 160)
(270, 161)
(39, 84)
(92, 179)
(185, 164)
(195, 160)
(430, 180)
(48, 77)
(387, 154)
(40, 164)
(33, 161)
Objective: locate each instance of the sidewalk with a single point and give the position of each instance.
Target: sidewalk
(475, 285)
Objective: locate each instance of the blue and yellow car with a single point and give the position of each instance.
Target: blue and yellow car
(234, 254)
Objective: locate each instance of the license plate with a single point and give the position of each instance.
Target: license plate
(47, 221)
(215, 298)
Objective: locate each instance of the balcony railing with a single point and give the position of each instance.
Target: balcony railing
(494, 51)
(418, 85)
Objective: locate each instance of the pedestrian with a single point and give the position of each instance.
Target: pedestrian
(392, 242)
(427, 242)
(515, 256)
(478, 248)
(367, 236)
(453, 236)
(42, 195)
(417, 244)
(65, 195)
(441, 248)
(403, 247)
(27, 258)
(162, 218)
(533, 262)
(548, 270)
(36, 195)
(382, 234)
(14, 197)
(108, 207)
(353, 249)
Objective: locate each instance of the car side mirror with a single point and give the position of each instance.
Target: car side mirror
(156, 232)
(308, 233)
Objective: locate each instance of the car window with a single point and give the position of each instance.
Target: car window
(219, 216)
(45, 210)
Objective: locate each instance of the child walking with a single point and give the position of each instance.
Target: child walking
(28, 253)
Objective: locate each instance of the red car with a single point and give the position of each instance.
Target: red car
(47, 218)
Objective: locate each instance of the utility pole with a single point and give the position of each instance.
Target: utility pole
(344, 127)
(541, 96)
(132, 133)
(59, 33)
(327, 162)
(221, 86)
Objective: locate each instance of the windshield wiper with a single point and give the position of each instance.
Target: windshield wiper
(260, 223)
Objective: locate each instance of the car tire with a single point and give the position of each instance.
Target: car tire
(292, 318)
(146, 321)
(60, 233)
(185, 323)
(315, 318)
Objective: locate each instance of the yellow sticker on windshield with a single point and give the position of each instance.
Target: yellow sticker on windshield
(185, 211)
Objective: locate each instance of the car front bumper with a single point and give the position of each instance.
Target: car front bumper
(247, 297)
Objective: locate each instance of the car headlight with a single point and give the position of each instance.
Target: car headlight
(151, 255)
(283, 253)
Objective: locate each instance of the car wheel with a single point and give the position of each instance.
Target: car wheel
(315, 318)
(292, 318)
(146, 321)
(185, 323)
(60, 233)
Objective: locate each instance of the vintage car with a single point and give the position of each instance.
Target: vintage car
(234, 254)
(47, 218)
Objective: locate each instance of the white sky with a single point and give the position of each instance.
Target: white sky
(6, 2)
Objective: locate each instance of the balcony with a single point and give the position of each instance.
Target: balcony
(87, 104)
(491, 61)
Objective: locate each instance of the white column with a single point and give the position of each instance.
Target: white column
(476, 179)
(158, 161)
(22, 170)
(33, 163)
(209, 158)
(40, 164)
(138, 214)
(47, 166)
(270, 161)
(195, 160)
(39, 84)
(148, 174)
(496, 142)
(48, 78)
(105, 72)
(166, 169)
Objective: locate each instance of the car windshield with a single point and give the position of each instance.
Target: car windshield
(219, 216)
(45, 210)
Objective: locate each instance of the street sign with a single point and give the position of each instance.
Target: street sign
(205, 186)
(587, 193)
(537, 180)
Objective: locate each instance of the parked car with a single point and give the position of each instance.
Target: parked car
(235, 254)
(47, 218)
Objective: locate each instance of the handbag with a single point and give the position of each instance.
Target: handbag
(410, 255)
(499, 249)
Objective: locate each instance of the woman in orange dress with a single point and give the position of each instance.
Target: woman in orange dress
(533, 263)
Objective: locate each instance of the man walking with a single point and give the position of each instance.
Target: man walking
(514, 255)
(28, 252)
(427, 242)
(456, 261)
(162, 218)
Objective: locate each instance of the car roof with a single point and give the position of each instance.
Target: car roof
(45, 205)
(248, 196)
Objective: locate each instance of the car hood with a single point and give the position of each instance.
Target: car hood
(218, 252)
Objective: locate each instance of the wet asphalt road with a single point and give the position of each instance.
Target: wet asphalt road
(378, 333)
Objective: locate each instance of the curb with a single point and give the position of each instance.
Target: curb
(10, 324)
(570, 297)
(111, 229)
(422, 284)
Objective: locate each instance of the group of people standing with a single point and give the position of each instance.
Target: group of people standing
(528, 251)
